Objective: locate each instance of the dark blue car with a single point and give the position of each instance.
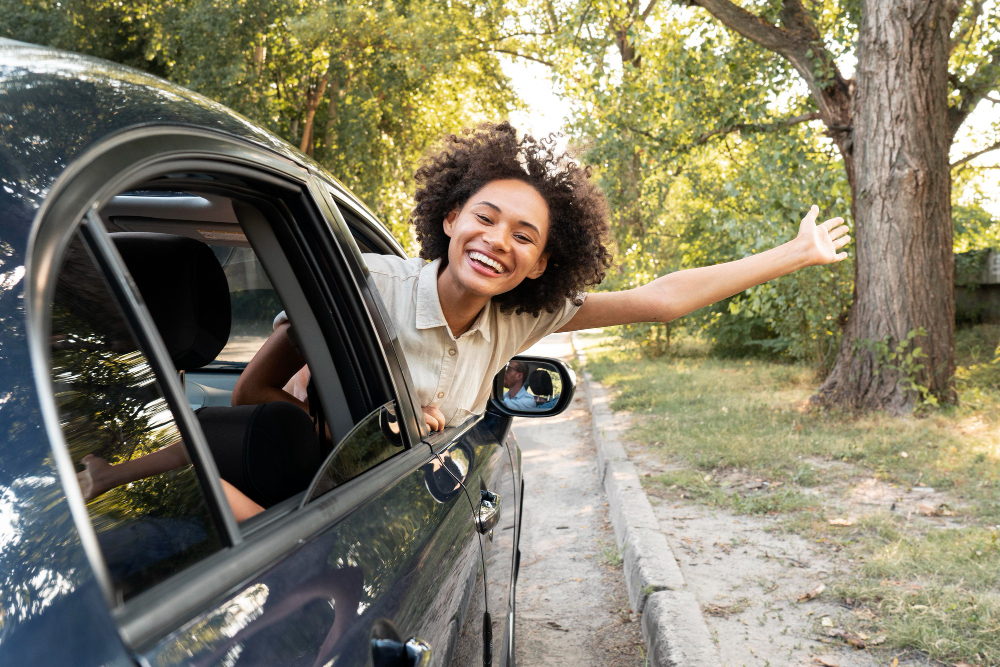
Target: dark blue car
(148, 238)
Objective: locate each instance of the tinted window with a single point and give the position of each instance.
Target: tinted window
(373, 440)
(112, 411)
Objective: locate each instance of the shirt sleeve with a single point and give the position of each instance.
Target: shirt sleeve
(546, 322)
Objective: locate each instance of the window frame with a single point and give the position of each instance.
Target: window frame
(79, 192)
(337, 199)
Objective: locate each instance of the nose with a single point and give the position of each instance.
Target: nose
(497, 238)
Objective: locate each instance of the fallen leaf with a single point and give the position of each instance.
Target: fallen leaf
(827, 622)
(805, 597)
(842, 522)
(849, 637)
(932, 510)
(825, 662)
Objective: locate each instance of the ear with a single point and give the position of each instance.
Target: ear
(449, 222)
(539, 268)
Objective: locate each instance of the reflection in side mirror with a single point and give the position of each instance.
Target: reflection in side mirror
(533, 387)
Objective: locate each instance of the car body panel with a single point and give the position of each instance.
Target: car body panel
(398, 556)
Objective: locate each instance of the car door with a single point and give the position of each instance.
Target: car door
(381, 547)
(476, 460)
(474, 447)
(395, 559)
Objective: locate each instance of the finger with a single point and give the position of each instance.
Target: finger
(840, 256)
(812, 215)
(434, 419)
(831, 223)
(842, 241)
(839, 231)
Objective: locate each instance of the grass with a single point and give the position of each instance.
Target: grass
(611, 555)
(719, 423)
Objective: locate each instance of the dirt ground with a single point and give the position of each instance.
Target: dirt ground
(572, 608)
(756, 582)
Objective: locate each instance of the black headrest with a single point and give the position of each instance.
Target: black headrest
(186, 292)
(540, 382)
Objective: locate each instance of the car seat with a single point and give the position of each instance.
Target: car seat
(271, 451)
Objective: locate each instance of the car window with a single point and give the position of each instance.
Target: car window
(113, 413)
(373, 440)
(253, 301)
(267, 453)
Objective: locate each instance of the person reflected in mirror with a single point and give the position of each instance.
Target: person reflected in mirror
(517, 397)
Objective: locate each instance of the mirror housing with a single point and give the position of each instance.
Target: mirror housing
(554, 367)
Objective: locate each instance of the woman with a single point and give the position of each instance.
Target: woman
(514, 233)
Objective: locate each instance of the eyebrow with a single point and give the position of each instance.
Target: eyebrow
(498, 210)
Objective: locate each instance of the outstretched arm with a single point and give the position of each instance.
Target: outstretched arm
(680, 293)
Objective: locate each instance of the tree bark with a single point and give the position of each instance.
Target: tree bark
(904, 267)
(313, 97)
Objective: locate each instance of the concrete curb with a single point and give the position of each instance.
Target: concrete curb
(672, 623)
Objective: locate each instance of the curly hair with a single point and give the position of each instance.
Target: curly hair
(578, 211)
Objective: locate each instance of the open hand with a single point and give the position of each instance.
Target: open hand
(434, 418)
(821, 242)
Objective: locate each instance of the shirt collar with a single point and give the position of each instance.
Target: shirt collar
(429, 313)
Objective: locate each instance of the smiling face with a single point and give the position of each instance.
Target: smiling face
(497, 239)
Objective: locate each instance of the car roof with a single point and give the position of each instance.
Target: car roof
(54, 105)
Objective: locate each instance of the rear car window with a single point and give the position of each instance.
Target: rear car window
(112, 411)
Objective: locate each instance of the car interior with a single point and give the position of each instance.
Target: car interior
(213, 273)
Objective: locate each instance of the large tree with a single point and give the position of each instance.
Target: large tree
(922, 66)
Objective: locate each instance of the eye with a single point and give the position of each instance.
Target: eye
(524, 238)
(485, 219)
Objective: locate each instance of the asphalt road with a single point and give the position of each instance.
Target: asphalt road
(572, 608)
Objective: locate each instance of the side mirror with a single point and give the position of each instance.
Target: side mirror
(532, 387)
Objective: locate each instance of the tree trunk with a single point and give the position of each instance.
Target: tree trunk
(313, 97)
(904, 268)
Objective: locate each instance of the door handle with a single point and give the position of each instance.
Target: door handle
(488, 514)
(391, 653)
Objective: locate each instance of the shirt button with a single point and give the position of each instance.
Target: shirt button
(440, 394)
(452, 352)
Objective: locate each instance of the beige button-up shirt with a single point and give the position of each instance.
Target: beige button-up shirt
(453, 374)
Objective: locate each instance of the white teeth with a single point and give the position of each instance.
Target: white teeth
(480, 257)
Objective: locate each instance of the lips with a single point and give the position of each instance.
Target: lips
(487, 263)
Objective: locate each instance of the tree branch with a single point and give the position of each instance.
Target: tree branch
(800, 43)
(644, 14)
(726, 130)
(517, 54)
(975, 87)
(973, 156)
(970, 23)
(750, 26)
(550, 10)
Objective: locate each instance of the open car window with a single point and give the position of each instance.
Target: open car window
(270, 452)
